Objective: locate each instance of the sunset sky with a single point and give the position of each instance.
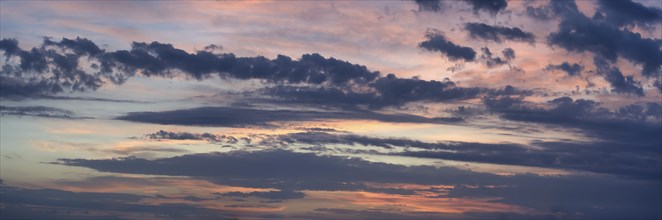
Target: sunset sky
(425, 109)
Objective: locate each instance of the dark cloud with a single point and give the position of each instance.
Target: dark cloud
(23, 203)
(212, 138)
(585, 193)
(618, 126)
(578, 33)
(94, 99)
(489, 59)
(491, 6)
(142, 150)
(279, 169)
(293, 172)
(658, 84)
(240, 117)
(508, 53)
(375, 213)
(38, 111)
(628, 13)
(498, 33)
(80, 46)
(600, 156)
(571, 69)
(429, 5)
(619, 83)
(436, 42)
(53, 67)
(604, 157)
(276, 195)
(49, 69)
(159, 59)
(10, 46)
(540, 14)
(385, 92)
(213, 47)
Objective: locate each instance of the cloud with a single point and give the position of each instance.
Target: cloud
(213, 47)
(436, 42)
(508, 53)
(212, 138)
(498, 33)
(293, 172)
(619, 83)
(540, 14)
(618, 126)
(490, 60)
(54, 67)
(38, 111)
(578, 33)
(277, 169)
(658, 85)
(628, 13)
(384, 92)
(22, 203)
(276, 195)
(571, 69)
(634, 161)
(145, 150)
(491, 6)
(240, 117)
(429, 5)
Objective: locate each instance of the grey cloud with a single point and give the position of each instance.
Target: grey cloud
(491, 6)
(571, 69)
(52, 68)
(27, 78)
(498, 33)
(601, 156)
(38, 111)
(212, 138)
(429, 5)
(240, 117)
(386, 91)
(277, 195)
(213, 47)
(304, 171)
(23, 203)
(508, 53)
(578, 33)
(628, 13)
(489, 59)
(619, 83)
(436, 42)
(540, 14)
(618, 126)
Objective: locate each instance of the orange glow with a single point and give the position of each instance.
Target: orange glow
(418, 203)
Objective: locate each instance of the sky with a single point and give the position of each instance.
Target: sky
(424, 109)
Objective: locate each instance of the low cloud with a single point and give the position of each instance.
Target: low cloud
(242, 117)
(39, 111)
(436, 42)
(292, 171)
(498, 33)
(574, 69)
